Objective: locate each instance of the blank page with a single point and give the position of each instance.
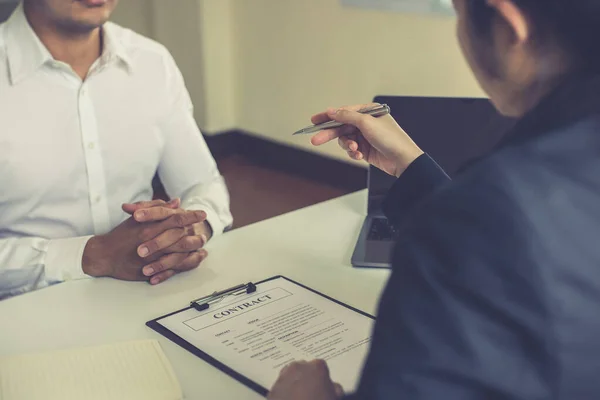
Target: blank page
(127, 371)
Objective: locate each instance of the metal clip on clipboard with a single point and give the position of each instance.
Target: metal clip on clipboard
(203, 303)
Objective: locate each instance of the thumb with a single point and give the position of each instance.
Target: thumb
(131, 208)
(174, 203)
(348, 117)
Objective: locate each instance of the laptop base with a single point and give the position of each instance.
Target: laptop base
(372, 250)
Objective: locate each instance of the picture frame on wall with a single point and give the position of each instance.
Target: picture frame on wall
(436, 7)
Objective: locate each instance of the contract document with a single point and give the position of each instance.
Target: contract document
(252, 331)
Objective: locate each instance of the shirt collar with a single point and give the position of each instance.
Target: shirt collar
(113, 47)
(26, 53)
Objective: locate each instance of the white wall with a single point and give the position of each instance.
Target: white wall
(136, 15)
(218, 43)
(295, 58)
(199, 35)
(265, 66)
(176, 25)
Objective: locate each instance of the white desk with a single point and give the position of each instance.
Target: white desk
(312, 246)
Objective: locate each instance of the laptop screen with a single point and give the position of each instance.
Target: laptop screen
(451, 130)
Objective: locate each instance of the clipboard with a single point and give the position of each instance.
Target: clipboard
(196, 304)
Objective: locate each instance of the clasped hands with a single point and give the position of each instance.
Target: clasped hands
(159, 240)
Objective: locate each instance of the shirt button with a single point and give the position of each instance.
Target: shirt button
(97, 199)
(91, 146)
(83, 92)
(67, 276)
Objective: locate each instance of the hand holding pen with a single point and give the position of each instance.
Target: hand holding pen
(376, 139)
(372, 110)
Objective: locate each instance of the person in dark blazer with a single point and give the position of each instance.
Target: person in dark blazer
(495, 289)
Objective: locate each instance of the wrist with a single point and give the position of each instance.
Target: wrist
(403, 161)
(92, 262)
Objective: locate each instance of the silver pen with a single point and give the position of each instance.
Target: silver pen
(376, 111)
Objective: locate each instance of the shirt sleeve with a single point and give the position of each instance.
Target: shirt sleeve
(421, 179)
(464, 315)
(33, 263)
(187, 168)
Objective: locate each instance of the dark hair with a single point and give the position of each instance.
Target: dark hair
(572, 24)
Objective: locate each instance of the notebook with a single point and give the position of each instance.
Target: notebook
(126, 371)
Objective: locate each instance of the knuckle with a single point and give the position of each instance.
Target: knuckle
(194, 217)
(187, 243)
(152, 246)
(199, 242)
(200, 256)
(160, 212)
(151, 204)
(192, 261)
(160, 265)
(163, 276)
(183, 263)
(169, 274)
(170, 261)
(179, 220)
(179, 233)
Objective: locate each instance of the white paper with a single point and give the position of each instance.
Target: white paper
(260, 333)
(127, 371)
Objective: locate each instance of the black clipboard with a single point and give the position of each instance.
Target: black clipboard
(216, 363)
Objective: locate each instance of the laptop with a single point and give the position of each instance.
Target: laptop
(452, 131)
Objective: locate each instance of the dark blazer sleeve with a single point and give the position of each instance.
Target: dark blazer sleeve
(422, 178)
(463, 316)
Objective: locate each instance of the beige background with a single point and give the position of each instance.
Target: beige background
(265, 66)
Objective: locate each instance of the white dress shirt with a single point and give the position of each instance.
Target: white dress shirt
(72, 151)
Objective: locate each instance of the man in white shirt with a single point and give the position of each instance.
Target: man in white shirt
(89, 113)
